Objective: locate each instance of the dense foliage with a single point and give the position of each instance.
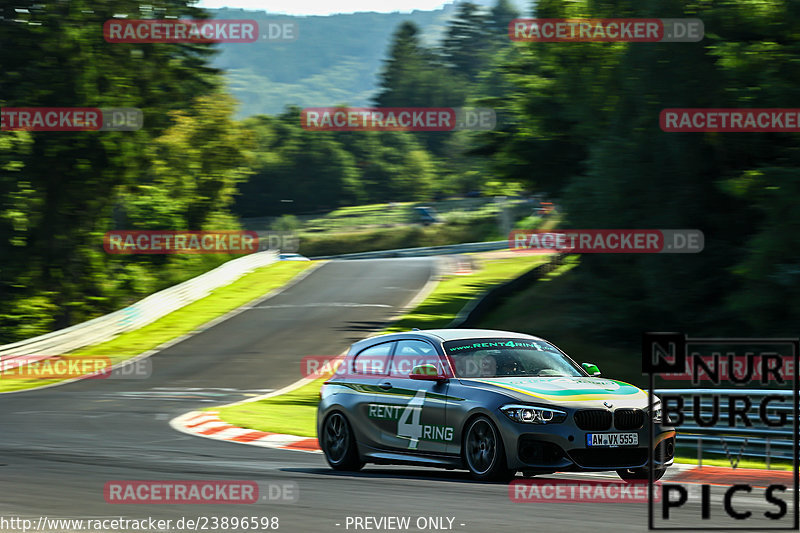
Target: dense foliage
(578, 121)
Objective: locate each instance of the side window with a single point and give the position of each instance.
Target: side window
(477, 364)
(373, 360)
(410, 354)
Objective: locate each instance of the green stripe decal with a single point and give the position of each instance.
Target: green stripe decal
(566, 389)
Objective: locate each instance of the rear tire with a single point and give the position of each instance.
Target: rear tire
(484, 453)
(339, 444)
(640, 474)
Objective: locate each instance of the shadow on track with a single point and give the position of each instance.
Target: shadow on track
(456, 476)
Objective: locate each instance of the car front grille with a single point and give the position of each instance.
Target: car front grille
(628, 418)
(609, 458)
(593, 419)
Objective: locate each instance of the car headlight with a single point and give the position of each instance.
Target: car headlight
(529, 414)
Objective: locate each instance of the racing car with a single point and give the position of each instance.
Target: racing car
(492, 402)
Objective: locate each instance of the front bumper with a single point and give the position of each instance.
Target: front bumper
(562, 447)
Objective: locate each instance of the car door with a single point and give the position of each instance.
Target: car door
(411, 414)
(366, 369)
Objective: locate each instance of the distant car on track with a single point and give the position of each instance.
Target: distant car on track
(493, 402)
(427, 215)
(292, 257)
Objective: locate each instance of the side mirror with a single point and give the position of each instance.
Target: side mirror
(591, 369)
(426, 373)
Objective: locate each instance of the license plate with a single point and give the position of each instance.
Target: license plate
(612, 439)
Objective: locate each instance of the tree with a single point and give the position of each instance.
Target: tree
(500, 16)
(70, 184)
(582, 123)
(413, 76)
(309, 168)
(467, 44)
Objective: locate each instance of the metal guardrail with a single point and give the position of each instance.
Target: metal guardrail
(758, 441)
(132, 317)
(424, 251)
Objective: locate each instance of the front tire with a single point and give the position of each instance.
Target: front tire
(484, 453)
(339, 444)
(640, 474)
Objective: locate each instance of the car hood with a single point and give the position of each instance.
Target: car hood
(568, 391)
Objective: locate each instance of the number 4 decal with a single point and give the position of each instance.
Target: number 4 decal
(408, 425)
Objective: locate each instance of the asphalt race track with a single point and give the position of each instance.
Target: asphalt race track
(59, 446)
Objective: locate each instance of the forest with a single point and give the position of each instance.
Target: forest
(577, 121)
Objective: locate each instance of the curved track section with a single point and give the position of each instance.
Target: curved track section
(59, 446)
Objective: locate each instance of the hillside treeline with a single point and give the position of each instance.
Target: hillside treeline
(578, 121)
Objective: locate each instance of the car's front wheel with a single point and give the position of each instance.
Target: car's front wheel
(339, 444)
(484, 453)
(640, 474)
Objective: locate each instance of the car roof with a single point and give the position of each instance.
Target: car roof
(442, 335)
(452, 334)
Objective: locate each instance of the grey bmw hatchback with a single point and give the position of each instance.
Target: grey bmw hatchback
(492, 402)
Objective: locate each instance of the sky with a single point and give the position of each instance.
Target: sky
(324, 7)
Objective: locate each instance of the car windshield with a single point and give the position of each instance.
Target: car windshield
(495, 358)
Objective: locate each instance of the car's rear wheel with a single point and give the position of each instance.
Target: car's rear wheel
(640, 474)
(484, 453)
(339, 444)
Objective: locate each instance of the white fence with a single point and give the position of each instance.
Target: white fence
(132, 317)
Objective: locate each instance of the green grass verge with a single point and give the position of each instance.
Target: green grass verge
(454, 292)
(396, 225)
(385, 214)
(547, 310)
(349, 218)
(295, 413)
(185, 320)
(478, 228)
